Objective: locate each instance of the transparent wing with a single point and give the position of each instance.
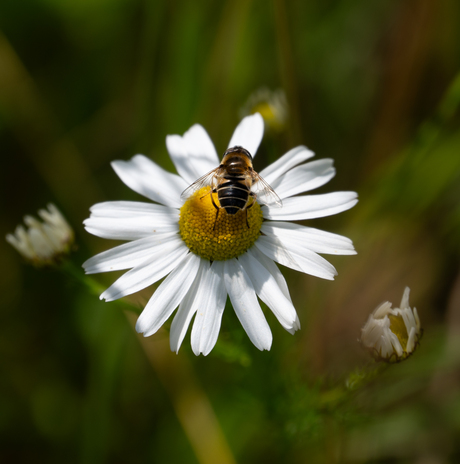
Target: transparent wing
(203, 181)
(264, 193)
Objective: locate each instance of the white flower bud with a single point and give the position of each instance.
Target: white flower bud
(44, 243)
(272, 105)
(392, 334)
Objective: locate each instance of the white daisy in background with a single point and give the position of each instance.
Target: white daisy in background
(205, 261)
(43, 243)
(392, 334)
(271, 104)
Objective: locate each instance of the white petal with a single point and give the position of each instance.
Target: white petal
(268, 291)
(311, 206)
(132, 228)
(417, 320)
(53, 216)
(127, 209)
(248, 134)
(193, 154)
(385, 344)
(130, 254)
(381, 311)
(408, 318)
(148, 272)
(23, 247)
(292, 158)
(296, 325)
(372, 330)
(54, 236)
(304, 178)
(405, 299)
(274, 271)
(313, 239)
(187, 309)
(211, 304)
(412, 338)
(301, 260)
(275, 250)
(168, 295)
(395, 342)
(40, 243)
(246, 306)
(147, 178)
(130, 220)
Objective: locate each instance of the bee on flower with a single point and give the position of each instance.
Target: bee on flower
(217, 235)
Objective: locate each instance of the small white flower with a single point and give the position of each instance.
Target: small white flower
(44, 243)
(392, 334)
(272, 105)
(160, 241)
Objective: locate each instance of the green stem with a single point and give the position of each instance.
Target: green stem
(357, 380)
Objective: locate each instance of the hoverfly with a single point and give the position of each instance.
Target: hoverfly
(234, 181)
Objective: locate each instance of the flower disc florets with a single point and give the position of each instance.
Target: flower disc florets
(227, 238)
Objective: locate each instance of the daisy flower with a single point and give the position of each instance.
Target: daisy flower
(205, 260)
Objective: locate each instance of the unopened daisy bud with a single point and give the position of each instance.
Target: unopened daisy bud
(44, 243)
(392, 334)
(272, 105)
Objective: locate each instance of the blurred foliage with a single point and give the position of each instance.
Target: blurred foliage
(374, 85)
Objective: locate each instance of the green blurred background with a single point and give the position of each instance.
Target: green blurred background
(372, 84)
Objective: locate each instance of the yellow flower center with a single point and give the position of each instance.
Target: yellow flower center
(269, 114)
(217, 240)
(266, 110)
(398, 327)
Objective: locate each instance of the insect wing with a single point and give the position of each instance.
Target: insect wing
(264, 193)
(203, 181)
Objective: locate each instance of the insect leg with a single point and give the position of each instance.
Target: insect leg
(217, 211)
(215, 222)
(214, 203)
(246, 211)
(209, 193)
(213, 190)
(253, 195)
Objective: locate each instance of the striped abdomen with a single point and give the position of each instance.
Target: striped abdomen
(233, 195)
